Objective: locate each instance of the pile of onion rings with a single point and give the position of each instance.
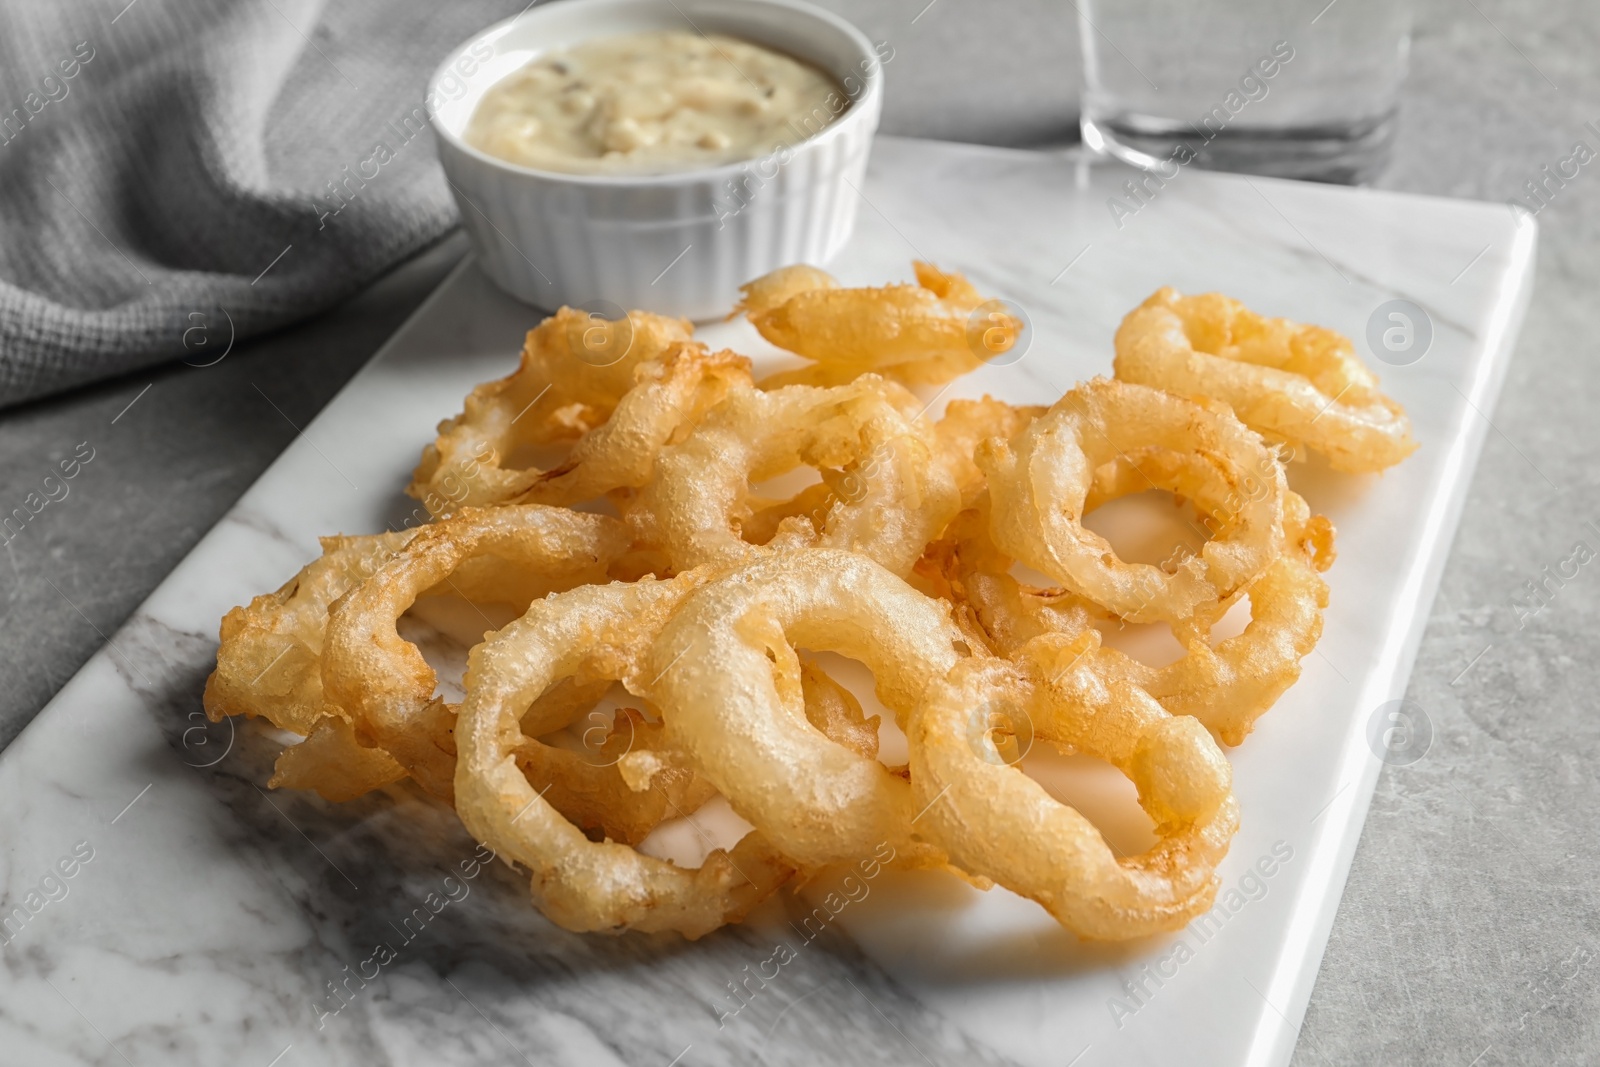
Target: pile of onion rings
(609, 501)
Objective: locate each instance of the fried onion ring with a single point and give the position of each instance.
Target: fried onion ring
(1302, 384)
(381, 680)
(574, 371)
(919, 334)
(722, 594)
(888, 495)
(269, 663)
(583, 885)
(269, 660)
(671, 393)
(1039, 486)
(998, 823)
(727, 684)
(1226, 686)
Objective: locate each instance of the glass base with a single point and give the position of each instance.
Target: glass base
(1349, 153)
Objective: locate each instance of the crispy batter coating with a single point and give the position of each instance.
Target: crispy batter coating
(1227, 685)
(1296, 383)
(381, 681)
(728, 685)
(999, 823)
(1039, 486)
(584, 885)
(332, 763)
(269, 663)
(965, 424)
(1231, 684)
(574, 371)
(924, 334)
(887, 495)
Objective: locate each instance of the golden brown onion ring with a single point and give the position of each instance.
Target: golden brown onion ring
(1301, 384)
(269, 664)
(923, 334)
(888, 495)
(997, 822)
(269, 661)
(727, 684)
(670, 394)
(1039, 486)
(381, 681)
(1226, 686)
(583, 885)
(573, 372)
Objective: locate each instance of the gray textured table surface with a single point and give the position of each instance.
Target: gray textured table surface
(1470, 929)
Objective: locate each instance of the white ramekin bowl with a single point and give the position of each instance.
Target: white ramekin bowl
(678, 243)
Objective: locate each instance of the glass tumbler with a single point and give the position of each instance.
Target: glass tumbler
(1293, 90)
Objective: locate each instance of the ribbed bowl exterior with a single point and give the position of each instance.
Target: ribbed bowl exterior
(673, 244)
(680, 249)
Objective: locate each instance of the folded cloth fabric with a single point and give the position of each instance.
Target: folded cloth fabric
(176, 173)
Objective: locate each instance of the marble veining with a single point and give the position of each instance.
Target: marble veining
(220, 923)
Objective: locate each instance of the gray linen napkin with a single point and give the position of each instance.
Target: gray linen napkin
(175, 173)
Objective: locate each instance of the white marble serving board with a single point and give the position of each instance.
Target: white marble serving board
(212, 916)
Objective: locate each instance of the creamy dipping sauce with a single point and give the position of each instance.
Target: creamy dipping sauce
(652, 103)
